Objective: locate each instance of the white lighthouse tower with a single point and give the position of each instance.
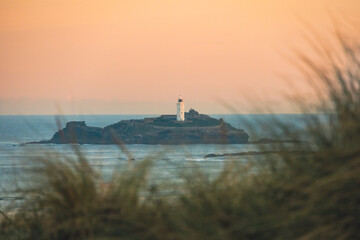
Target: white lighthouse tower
(180, 110)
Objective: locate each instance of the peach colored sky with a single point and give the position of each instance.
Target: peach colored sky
(132, 56)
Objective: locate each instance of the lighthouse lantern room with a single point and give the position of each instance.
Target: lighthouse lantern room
(180, 110)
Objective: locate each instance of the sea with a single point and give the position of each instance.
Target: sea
(17, 159)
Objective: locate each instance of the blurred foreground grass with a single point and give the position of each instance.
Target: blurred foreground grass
(314, 194)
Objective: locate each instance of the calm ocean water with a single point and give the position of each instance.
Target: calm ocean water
(16, 159)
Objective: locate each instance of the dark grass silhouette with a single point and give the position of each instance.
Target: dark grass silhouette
(312, 194)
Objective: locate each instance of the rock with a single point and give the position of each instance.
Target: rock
(78, 132)
(267, 140)
(213, 155)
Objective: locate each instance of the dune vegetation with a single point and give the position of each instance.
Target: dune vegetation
(312, 194)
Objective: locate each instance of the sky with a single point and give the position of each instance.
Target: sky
(138, 56)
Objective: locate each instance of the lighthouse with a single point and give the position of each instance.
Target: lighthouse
(180, 110)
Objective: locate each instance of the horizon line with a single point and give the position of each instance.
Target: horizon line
(154, 114)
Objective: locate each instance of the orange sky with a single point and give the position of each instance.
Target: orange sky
(130, 56)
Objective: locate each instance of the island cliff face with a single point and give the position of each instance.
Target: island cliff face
(196, 129)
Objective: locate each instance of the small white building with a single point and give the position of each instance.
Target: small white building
(180, 110)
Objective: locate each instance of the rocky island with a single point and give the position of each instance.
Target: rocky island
(195, 128)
